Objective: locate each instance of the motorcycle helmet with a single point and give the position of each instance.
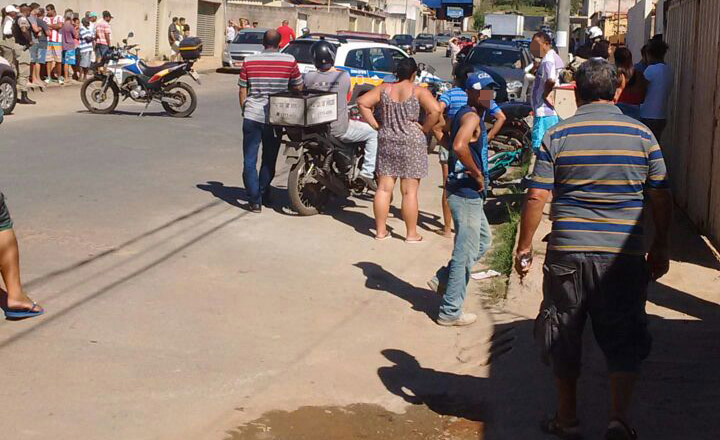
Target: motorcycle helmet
(323, 54)
(594, 33)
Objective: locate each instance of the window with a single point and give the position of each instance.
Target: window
(249, 38)
(356, 59)
(396, 56)
(491, 56)
(379, 60)
(300, 50)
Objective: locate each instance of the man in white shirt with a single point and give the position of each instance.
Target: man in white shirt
(230, 32)
(546, 77)
(658, 80)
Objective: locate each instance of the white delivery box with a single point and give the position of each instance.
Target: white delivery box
(303, 109)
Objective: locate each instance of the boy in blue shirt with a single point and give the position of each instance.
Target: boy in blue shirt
(466, 186)
(450, 102)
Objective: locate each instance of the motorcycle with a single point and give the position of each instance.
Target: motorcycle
(512, 143)
(321, 166)
(121, 73)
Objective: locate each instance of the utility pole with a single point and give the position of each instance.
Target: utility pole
(562, 33)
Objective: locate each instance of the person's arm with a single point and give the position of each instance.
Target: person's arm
(500, 119)
(461, 147)
(367, 102)
(242, 96)
(296, 80)
(431, 107)
(243, 89)
(661, 206)
(438, 131)
(549, 72)
(108, 36)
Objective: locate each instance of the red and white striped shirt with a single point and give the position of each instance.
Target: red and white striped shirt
(55, 35)
(263, 74)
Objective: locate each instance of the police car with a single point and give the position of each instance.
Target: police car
(368, 62)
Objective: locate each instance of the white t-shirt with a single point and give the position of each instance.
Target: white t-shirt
(7, 26)
(659, 77)
(549, 69)
(230, 33)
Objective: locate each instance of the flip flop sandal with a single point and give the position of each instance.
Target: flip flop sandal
(419, 240)
(384, 237)
(19, 314)
(550, 425)
(619, 430)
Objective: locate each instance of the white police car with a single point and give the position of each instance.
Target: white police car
(368, 62)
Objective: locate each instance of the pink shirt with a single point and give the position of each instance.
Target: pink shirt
(102, 28)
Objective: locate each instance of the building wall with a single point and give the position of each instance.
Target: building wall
(639, 27)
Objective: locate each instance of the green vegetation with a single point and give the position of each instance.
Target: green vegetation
(501, 257)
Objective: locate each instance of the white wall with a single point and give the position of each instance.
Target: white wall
(639, 27)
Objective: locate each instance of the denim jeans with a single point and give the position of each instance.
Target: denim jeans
(361, 132)
(253, 133)
(472, 240)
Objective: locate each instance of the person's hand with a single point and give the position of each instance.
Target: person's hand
(479, 179)
(523, 261)
(658, 260)
(490, 137)
(420, 126)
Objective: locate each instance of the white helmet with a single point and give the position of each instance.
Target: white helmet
(594, 32)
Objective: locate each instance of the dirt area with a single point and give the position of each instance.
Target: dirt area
(358, 421)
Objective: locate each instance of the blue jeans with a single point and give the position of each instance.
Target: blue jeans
(253, 133)
(472, 240)
(362, 132)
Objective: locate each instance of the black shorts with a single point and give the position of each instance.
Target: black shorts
(612, 290)
(5, 220)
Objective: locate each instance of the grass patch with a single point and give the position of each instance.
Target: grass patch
(501, 257)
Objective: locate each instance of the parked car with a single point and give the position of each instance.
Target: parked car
(8, 87)
(505, 59)
(443, 38)
(368, 62)
(404, 42)
(425, 43)
(247, 42)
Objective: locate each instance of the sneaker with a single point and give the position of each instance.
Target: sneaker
(61, 80)
(47, 80)
(464, 319)
(255, 207)
(369, 182)
(435, 286)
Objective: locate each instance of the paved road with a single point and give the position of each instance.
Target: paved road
(172, 313)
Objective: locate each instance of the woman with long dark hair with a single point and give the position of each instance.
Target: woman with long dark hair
(402, 143)
(632, 94)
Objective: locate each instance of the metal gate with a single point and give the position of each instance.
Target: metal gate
(206, 26)
(692, 142)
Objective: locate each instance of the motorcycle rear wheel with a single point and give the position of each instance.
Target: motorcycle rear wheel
(184, 93)
(91, 93)
(306, 198)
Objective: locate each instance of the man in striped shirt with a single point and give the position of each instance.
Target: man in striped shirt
(601, 166)
(262, 75)
(53, 56)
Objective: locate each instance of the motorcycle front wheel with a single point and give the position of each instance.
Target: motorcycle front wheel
(183, 100)
(98, 101)
(307, 195)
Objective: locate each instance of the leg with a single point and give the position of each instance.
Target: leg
(361, 132)
(271, 147)
(252, 133)
(409, 188)
(566, 401)
(466, 215)
(381, 204)
(485, 236)
(621, 388)
(447, 216)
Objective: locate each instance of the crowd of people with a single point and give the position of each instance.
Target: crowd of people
(601, 165)
(46, 47)
(177, 31)
(287, 34)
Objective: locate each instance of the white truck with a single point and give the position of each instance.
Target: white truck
(505, 25)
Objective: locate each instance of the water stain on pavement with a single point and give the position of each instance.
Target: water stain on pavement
(357, 421)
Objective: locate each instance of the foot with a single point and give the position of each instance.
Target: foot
(369, 182)
(564, 430)
(447, 233)
(414, 240)
(61, 80)
(381, 237)
(47, 80)
(255, 207)
(619, 430)
(462, 320)
(25, 100)
(435, 285)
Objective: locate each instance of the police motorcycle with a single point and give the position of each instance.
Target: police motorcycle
(122, 73)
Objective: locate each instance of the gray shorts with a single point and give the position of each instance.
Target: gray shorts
(5, 220)
(84, 60)
(609, 288)
(443, 154)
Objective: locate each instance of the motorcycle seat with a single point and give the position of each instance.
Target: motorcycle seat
(516, 110)
(152, 70)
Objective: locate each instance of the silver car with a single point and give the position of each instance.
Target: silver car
(246, 42)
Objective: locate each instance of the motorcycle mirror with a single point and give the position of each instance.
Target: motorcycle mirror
(131, 34)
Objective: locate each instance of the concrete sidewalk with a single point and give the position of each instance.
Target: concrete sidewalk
(679, 391)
